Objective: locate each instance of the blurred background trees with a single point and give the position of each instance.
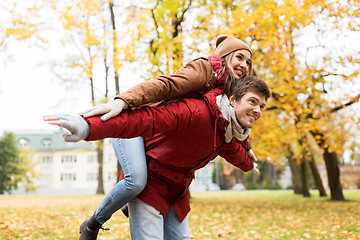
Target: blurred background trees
(16, 169)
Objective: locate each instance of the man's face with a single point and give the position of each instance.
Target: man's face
(249, 108)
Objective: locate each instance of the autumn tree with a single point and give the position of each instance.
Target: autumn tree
(11, 172)
(162, 35)
(159, 31)
(19, 21)
(22, 22)
(274, 31)
(84, 22)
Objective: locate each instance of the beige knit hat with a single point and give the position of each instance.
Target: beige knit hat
(227, 44)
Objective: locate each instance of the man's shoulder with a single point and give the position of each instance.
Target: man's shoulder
(194, 103)
(208, 99)
(197, 106)
(212, 94)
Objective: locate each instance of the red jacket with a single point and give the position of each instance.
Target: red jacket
(179, 138)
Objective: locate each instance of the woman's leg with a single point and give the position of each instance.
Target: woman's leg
(131, 156)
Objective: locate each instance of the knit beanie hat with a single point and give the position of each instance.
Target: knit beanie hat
(227, 44)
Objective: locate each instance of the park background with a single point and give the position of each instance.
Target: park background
(64, 56)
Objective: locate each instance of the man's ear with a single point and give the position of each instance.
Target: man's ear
(232, 100)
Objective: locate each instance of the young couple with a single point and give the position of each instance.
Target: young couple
(207, 109)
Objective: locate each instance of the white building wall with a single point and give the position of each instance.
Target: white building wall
(75, 171)
(55, 175)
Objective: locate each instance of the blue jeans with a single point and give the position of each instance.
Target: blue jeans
(131, 156)
(147, 223)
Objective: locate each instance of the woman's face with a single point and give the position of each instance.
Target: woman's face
(240, 63)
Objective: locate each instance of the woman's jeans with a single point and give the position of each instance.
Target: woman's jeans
(131, 156)
(147, 223)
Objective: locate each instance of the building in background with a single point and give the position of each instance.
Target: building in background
(66, 168)
(72, 168)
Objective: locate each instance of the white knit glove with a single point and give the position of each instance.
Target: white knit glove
(252, 155)
(77, 126)
(109, 109)
(255, 169)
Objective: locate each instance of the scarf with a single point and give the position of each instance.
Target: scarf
(217, 65)
(234, 129)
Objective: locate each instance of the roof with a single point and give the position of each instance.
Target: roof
(42, 140)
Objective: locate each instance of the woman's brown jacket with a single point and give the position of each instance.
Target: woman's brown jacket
(190, 81)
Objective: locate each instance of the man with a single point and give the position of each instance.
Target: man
(179, 138)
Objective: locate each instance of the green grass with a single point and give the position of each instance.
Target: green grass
(274, 215)
(214, 215)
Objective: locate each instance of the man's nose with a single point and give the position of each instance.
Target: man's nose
(257, 109)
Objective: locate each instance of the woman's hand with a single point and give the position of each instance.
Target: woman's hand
(109, 109)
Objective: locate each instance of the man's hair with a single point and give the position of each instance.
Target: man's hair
(249, 84)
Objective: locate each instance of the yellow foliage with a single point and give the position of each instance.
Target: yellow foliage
(271, 28)
(162, 33)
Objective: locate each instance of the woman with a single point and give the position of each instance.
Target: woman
(230, 62)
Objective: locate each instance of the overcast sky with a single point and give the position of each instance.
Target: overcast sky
(28, 90)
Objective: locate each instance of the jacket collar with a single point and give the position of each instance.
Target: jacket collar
(220, 122)
(210, 98)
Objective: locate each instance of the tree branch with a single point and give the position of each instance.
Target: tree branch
(349, 103)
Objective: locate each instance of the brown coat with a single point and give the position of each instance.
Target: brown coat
(190, 81)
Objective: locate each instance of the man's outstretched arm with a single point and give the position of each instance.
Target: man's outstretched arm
(145, 122)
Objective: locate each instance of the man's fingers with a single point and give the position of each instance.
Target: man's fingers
(71, 138)
(76, 125)
(57, 123)
(60, 120)
(52, 120)
(49, 118)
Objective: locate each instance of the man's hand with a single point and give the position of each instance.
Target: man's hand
(77, 126)
(255, 169)
(252, 155)
(109, 109)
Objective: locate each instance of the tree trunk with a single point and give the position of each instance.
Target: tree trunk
(253, 178)
(305, 186)
(333, 171)
(273, 176)
(295, 172)
(100, 156)
(332, 168)
(112, 15)
(317, 178)
(116, 72)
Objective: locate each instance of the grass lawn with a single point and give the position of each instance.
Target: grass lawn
(214, 215)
